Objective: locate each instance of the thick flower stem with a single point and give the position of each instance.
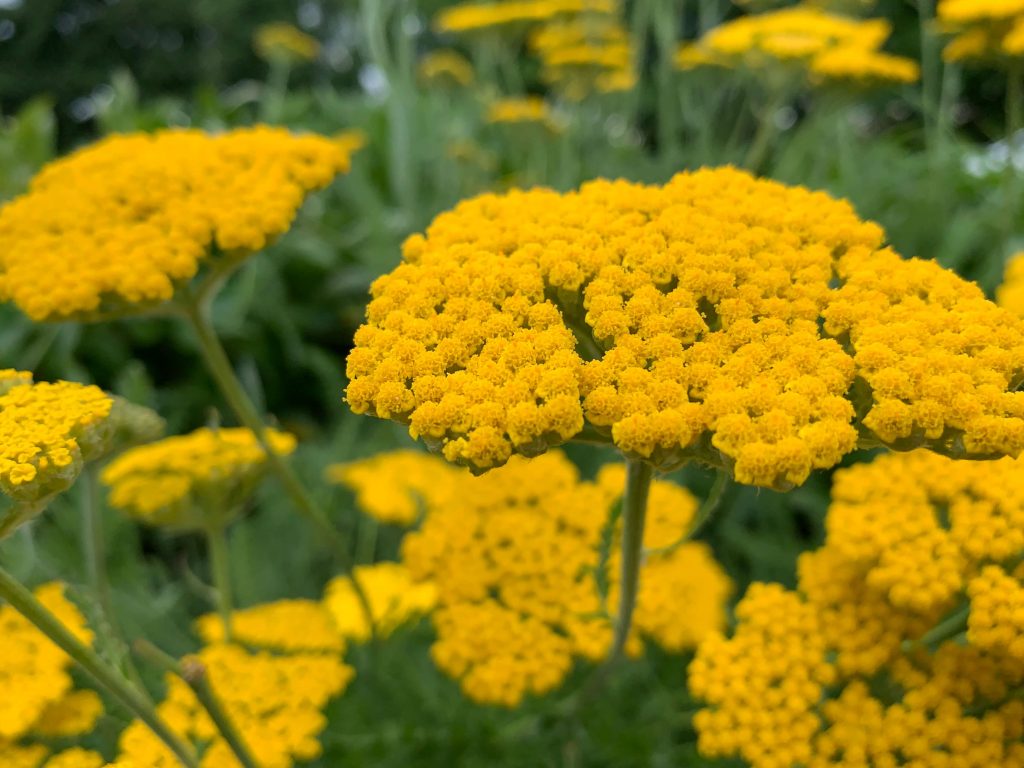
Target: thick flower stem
(105, 676)
(634, 514)
(217, 542)
(216, 359)
(193, 672)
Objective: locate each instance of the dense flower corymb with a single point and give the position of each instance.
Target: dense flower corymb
(475, 17)
(119, 225)
(741, 322)
(178, 481)
(983, 29)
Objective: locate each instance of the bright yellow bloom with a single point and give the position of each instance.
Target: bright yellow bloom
(191, 480)
(505, 14)
(35, 679)
(844, 669)
(280, 39)
(76, 757)
(288, 626)
(445, 67)
(394, 597)
(982, 29)
(47, 433)
(275, 702)
(1011, 293)
(583, 55)
(737, 321)
(531, 109)
(829, 48)
(517, 559)
(395, 487)
(120, 225)
(73, 715)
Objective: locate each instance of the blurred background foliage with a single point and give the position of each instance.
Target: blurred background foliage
(939, 177)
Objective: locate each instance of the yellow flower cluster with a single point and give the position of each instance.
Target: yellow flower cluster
(982, 29)
(845, 670)
(191, 480)
(37, 756)
(47, 432)
(502, 15)
(1011, 293)
(445, 67)
(119, 225)
(528, 109)
(739, 321)
(517, 559)
(273, 626)
(275, 702)
(394, 599)
(585, 54)
(37, 697)
(808, 40)
(280, 39)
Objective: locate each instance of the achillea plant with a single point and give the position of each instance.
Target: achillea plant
(983, 30)
(1011, 293)
(903, 642)
(478, 17)
(584, 55)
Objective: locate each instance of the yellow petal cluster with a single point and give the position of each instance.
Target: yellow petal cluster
(985, 30)
(47, 431)
(286, 626)
(585, 54)
(1010, 294)
(274, 701)
(519, 556)
(808, 40)
(393, 595)
(445, 67)
(504, 15)
(119, 225)
(280, 39)
(190, 480)
(529, 109)
(37, 756)
(36, 689)
(864, 665)
(748, 324)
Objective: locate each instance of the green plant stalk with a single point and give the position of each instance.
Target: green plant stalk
(766, 132)
(930, 77)
(25, 603)
(1014, 100)
(216, 359)
(217, 542)
(634, 514)
(193, 672)
(665, 21)
(275, 89)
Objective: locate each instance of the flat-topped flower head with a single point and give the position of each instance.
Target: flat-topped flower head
(394, 596)
(989, 31)
(275, 702)
(192, 480)
(280, 40)
(585, 54)
(1011, 293)
(526, 568)
(445, 67)
(739, 322)
(122, 224)
(505, 16)
(805, 41)
(529, 110)
(47, 433)
(287, 626)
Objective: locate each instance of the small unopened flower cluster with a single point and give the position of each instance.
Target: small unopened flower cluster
(522, 564)
(757, 327)
(810, 42)
(983, 30)
(191, 480)
(47, 432)
(585, 54)
(508, 15)
(904, 642)
(38, 701)
(119, 225)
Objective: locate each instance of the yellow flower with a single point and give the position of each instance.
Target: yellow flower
(35, 680)
(982, 29)
(76, 757)
(1011, 293)
(47, 433)
(583, 55)
(858, 66)
(394, 598)
(288, 626)
(517, 559)
(73, 715)
(275, 702)
(191, 480)
(120, 225)
(280, 39)
(746, 324)
(445, 67)
(531, 109)
(505, 14)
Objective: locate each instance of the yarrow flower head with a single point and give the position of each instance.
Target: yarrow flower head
(868, 661)
(445, 67)
(193, 480)
(283, 40)
(276, 627)
(524, 562)
(513, 15)
(806, 42)
(394, 596)
(1011, 293)
(47, 433)
(749, 325)
(983, 30)
(520, 111)
(121, 225)
(583, 55)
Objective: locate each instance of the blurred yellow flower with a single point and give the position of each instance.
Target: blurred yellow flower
(527, 110)
(280, 39)
(504, 14)
(394, 598)
(445, 67)
(582, 55)
(273, 627)
(982, 30)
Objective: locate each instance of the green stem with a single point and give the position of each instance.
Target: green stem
(952, 626)
(275, 89)
(634, 513)
(766, 131)
(104, 675)
(930, 62)
(1014, 100)
(590, 436)
(220, 562)
(193, 672)
(216, 359)
(704, 513)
